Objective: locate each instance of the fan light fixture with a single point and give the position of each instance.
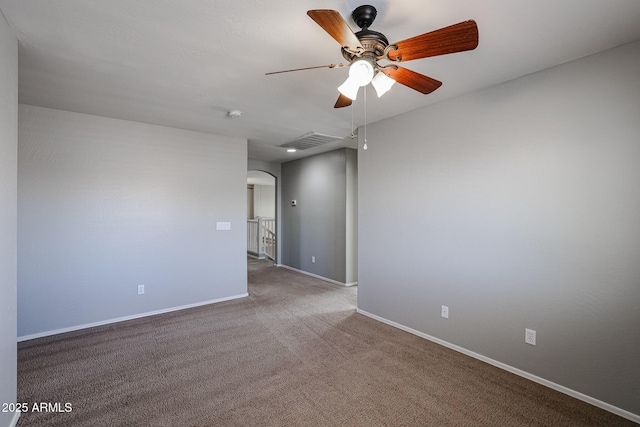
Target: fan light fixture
(382, 83)
(360, 74)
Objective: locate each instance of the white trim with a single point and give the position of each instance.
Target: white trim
(125, 318)
(593, 401)
(14, 421)
(326, 279)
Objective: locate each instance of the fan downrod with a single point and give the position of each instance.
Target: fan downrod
(364, 16)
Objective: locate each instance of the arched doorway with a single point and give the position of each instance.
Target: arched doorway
(261, 215)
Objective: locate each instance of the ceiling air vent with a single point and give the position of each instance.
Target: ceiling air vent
(310, 140)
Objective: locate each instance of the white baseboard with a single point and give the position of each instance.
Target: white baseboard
(580, 396)
(125, 318)
(14, 421)
(326, 279)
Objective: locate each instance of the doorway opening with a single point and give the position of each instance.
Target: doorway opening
(262, 239)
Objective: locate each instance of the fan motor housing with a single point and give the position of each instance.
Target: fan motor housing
(373, 42)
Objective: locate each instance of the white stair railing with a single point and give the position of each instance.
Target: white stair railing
(253, 239)
(268, 238)
(261, 238)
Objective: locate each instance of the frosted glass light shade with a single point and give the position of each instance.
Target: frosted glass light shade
(361, 71)
(382, 83)
(360, 74)
(349, 89)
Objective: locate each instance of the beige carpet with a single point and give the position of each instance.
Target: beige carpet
(294, 353)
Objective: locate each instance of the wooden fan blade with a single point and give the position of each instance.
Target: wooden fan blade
(454, 38)
(411, 79)
(306, 68)
(342, 101)
(337, 27)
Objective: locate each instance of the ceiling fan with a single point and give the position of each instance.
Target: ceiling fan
(363, 51)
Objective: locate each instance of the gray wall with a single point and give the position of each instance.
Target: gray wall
(518, 207)
(317, 226)
(8, 212)
(351, 235)
(105, 205)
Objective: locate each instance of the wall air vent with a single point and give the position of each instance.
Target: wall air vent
(310, 140)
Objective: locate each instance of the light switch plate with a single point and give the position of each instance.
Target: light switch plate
(223, 226)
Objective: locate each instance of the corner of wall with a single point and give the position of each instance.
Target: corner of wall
(8, 218)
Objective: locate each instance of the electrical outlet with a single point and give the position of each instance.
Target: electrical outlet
(445, 312)
(313, 259)
(530, 336)
(140, 289)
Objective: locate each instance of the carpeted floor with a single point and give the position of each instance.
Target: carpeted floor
(294, 353)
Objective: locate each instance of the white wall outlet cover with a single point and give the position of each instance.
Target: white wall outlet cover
(140, 289)
(445, 312)
(530, 336)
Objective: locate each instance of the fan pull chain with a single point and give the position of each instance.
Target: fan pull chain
(365, 118)
(352, 130)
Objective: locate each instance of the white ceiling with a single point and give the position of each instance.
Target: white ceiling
(186, 63)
